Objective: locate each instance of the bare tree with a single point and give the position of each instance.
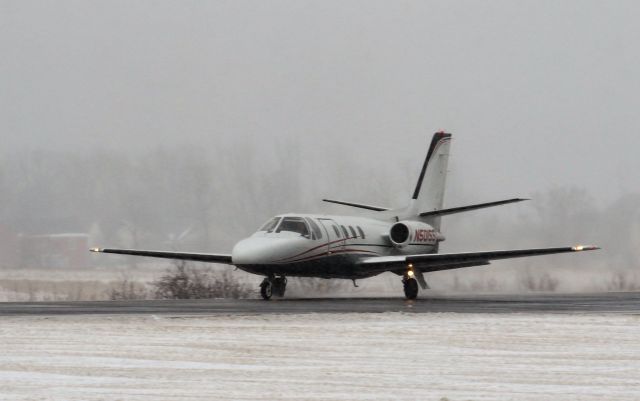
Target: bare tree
(187, 282)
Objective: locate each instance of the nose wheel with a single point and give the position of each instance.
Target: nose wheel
(266, 289)
(271, 286)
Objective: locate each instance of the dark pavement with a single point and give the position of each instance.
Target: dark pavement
(621, 302)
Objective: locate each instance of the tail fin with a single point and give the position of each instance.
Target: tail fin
(429, 192)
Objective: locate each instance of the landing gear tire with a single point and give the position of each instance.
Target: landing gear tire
(266, 289)
(410, 288)
(279, 286)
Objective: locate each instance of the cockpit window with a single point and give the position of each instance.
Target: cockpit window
(270, 225)
(294, 224)
(317, 233)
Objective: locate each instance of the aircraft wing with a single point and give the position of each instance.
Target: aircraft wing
(445, 261)
(198, 257)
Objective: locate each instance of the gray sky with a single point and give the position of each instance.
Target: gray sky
(538, 94)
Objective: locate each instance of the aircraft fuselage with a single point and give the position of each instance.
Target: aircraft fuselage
(331, 250)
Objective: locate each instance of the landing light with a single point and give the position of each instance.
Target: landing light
(578, 248)
(410, 273)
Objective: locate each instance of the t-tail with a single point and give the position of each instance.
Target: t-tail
(427, 202)
(428, 197)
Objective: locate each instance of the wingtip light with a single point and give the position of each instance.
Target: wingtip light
(95, 250)
(579, 248)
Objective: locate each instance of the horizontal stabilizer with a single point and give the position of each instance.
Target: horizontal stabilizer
(358, 205)
(196, 257)
(443, 212)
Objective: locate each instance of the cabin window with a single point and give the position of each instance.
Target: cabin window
(344, 230)
(337, 232)
(317, 232)
(360, 231)
(294, 224)
(270, 225)
(353, 232)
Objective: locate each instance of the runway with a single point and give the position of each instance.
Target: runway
(490, 347)
(620, 302)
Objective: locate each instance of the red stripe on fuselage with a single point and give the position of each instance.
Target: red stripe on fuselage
(312, 249)
(324, 254)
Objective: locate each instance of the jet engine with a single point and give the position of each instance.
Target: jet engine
(405, 233)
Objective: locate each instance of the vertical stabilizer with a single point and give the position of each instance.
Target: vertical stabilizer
(429, 192)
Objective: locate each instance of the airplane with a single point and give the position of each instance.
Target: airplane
(402, 241)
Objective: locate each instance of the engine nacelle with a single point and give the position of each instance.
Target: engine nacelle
(405, 233)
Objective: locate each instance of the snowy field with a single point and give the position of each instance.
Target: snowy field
(390, 356)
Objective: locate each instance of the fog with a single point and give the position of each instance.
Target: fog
(185, 125)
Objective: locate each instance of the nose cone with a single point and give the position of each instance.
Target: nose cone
(258, 251)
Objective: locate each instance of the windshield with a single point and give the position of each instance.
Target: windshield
(270, 225)
(294, 224)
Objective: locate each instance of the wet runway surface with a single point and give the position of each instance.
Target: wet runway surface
(628, 303)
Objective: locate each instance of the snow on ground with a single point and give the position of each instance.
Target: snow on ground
(390, 356)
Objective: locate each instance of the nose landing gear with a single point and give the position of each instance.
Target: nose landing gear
(266, 289)
(273, 286)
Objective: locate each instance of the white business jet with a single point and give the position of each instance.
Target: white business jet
(402, 241)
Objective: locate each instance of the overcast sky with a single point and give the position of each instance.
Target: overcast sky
(537, 93)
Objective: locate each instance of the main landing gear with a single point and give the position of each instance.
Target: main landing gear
(273, 286)
(410, 285)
